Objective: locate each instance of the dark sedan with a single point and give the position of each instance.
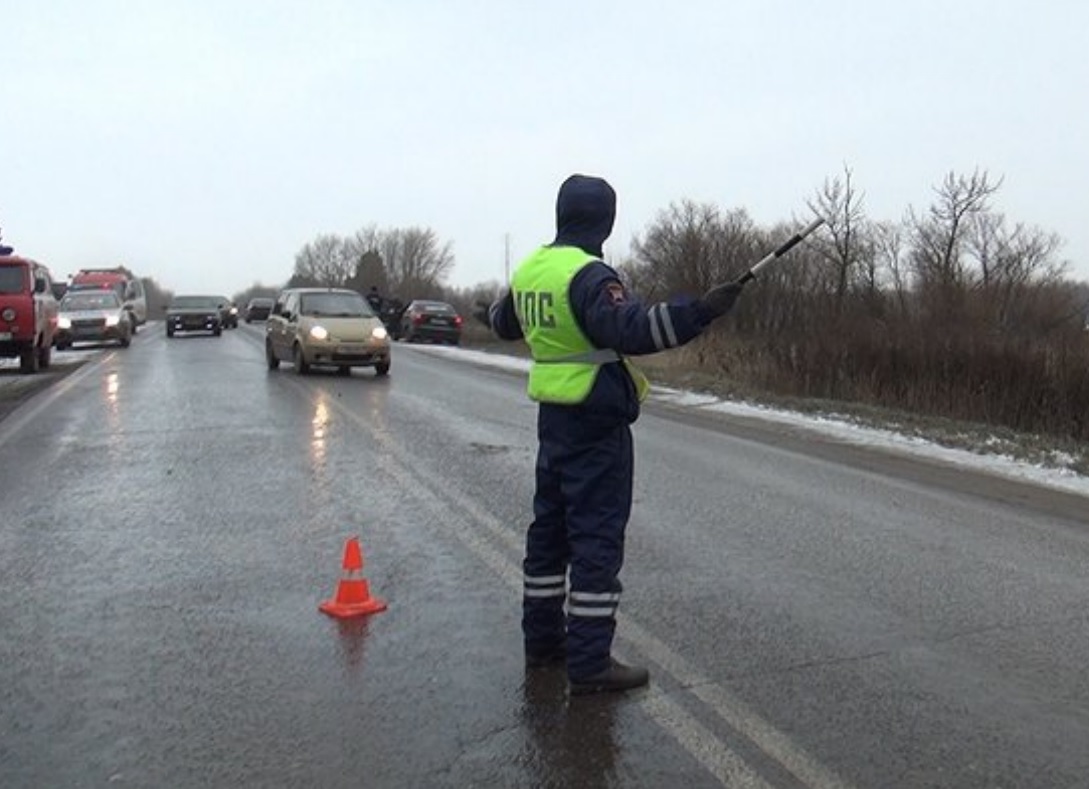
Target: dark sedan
(434, 321)
(258, 310)
(195, 314)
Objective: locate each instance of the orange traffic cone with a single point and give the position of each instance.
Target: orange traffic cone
(353, 593)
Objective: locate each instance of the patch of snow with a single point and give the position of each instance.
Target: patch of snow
(1004, 465)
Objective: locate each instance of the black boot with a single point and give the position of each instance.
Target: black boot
(552, 658)
(616, 677)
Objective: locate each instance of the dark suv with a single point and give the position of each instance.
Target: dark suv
(195, 314)
(28, 312)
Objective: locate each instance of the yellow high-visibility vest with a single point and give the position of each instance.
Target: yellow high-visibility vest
(565, 362)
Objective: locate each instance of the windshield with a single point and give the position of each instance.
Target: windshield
(335, 305)
(195, 302)
(12, 279)
(90, 300)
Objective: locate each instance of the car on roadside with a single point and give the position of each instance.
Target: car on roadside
(93, 316)
(432, 321)
(326, 327)
(258, 309)
(28, 312)
(194, 313)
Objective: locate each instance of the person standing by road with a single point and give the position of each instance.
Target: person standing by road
(374, 298)
(581, 323)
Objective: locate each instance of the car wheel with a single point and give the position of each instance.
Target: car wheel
(28, 360)
(301, 367)
(169, 332)
(63, 346)
(382, 368)
(216, 332)
(270, 357)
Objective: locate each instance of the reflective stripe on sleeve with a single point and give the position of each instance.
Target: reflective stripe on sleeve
(661, 327)
(655, 330)
(667, 324)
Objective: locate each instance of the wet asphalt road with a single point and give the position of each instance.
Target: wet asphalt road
(813, 615)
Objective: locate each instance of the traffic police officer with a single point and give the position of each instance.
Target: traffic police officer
(580, 324)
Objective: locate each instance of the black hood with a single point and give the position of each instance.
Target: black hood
(585, 210)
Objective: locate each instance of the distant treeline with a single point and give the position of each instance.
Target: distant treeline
(952, 311)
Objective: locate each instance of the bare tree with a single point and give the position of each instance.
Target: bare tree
(415, 259)
(691, 247)
(889, 260)
(1015, 255)
(406, 260)
(849, 251)
(938, 237)
(326, 261)
(1016, 264)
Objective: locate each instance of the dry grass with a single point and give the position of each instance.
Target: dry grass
(711, 365)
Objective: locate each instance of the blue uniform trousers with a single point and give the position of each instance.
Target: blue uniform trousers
(581, 509)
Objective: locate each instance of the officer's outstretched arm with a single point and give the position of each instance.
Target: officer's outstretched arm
(613, 318)
(501, 318)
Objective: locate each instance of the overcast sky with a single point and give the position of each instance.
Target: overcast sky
(203, 143)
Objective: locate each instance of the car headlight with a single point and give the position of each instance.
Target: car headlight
(64, 323)
(113, 320)
(379, 333)
(319, 332)
(234, 310)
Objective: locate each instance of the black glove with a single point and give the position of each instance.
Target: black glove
(481, 313)
(720, 299)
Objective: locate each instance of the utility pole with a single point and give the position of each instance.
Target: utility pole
(506, 259)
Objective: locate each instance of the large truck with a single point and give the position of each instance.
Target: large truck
(120, 280)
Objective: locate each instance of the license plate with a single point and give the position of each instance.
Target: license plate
(351, 349)
(5, 336)
(440, 321)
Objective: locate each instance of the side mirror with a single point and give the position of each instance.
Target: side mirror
(40, 286)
